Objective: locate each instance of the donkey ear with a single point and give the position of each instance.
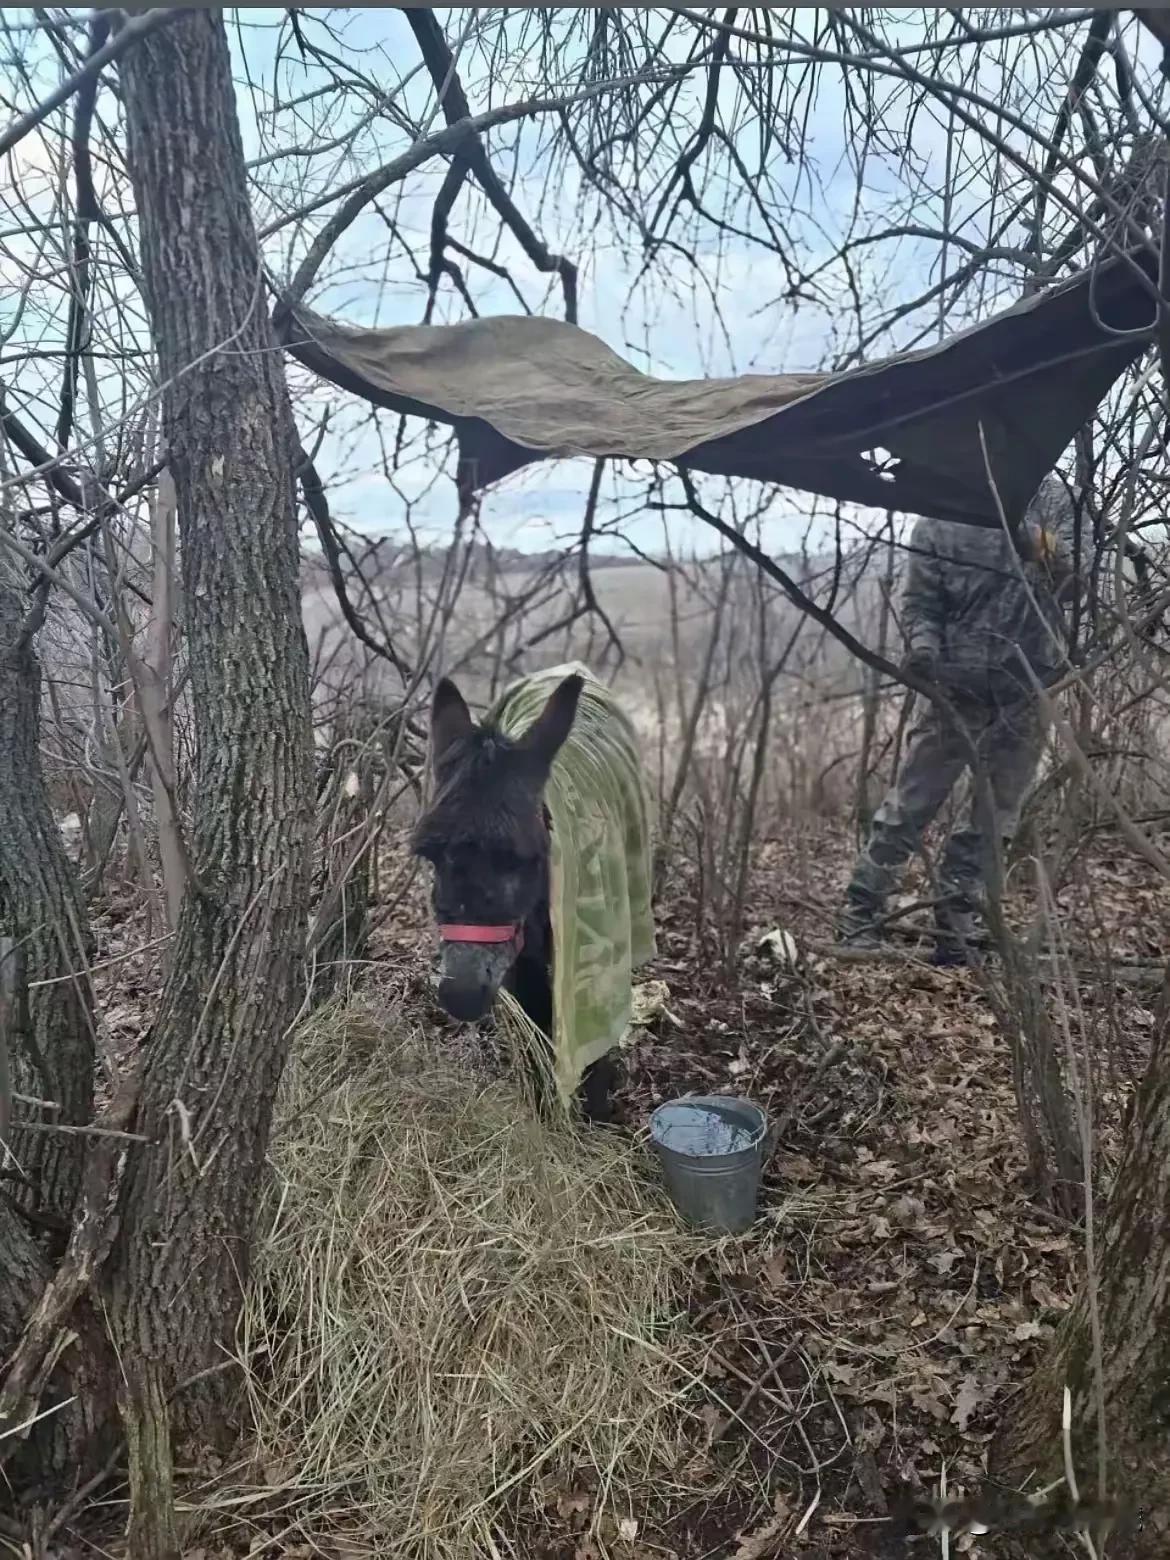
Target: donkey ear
(544, 738)
(450, 718)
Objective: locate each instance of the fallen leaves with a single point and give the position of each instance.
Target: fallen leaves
(764, 1543)
(899, 1262)
(967, 1401)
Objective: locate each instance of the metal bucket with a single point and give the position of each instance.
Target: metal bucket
(711, 1148)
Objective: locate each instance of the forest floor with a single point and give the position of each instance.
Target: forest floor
(901, 1281)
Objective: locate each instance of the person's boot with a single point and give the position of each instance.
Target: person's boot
(956, 935)
(875, 874)
(857, 925)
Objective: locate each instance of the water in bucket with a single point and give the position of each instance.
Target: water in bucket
(699, 1131)
(711, 1152)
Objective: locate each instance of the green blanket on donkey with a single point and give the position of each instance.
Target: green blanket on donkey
(600, 872)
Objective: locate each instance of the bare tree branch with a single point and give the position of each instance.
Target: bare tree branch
(440, 62)
(122, 40)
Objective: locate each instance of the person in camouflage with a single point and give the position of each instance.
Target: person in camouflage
(985, 625)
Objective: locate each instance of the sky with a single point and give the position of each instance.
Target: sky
(669, 331)
(663, 321)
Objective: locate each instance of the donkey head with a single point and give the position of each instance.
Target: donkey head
(486, 836)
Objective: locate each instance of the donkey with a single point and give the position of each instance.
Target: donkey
(486, 835)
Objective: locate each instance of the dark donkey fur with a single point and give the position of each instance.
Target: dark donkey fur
(486, 834)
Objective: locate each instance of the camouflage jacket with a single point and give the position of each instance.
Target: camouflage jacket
(978, 611)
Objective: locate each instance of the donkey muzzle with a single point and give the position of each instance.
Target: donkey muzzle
(475, 961)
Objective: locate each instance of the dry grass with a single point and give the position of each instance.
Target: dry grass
(462, 1316)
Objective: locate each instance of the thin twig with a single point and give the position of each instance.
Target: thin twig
(122, 40)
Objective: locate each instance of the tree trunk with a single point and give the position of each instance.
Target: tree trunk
(214, 1057)
(23, 1276)
(48, 1037)
(156, 691)
(1134, 1302)
(52, 1041)
(362, 752)
(864, 808)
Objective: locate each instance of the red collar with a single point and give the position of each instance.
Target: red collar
(484, 934)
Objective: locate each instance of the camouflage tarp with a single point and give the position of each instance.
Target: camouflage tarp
(602, 923)
(518, 389)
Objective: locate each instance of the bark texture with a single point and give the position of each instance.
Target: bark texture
(24, 1272)
(52, 1040)
(215, 1054)
(1134, 1300)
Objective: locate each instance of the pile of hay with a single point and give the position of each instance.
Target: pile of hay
(461, 1316)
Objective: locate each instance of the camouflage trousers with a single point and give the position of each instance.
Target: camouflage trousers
(1005, 743)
